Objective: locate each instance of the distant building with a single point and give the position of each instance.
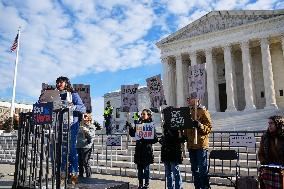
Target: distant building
(5, 108)
(121, 117)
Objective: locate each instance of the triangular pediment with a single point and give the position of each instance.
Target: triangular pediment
(220, 20)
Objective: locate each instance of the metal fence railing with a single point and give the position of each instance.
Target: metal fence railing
(117, 160)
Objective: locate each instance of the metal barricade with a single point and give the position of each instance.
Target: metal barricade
(39, 151)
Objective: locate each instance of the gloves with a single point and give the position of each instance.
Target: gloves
(196, 124)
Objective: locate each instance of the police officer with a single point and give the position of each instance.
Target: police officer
(108, 117)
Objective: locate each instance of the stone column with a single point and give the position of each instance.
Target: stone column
(247, 75)
(211, 89)
(282, 42)
(229, 79)
(267, 74)
(166, 78)
(193, 58)
(180, 82)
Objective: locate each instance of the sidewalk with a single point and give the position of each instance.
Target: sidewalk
(155, 184)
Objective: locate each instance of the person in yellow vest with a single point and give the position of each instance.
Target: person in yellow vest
(198, 151)
(108, 118)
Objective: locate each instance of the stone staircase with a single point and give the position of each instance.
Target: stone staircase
(119, 160)
(243, 120)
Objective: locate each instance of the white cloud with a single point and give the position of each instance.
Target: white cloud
(73, 37)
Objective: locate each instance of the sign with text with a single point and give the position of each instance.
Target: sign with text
(145, 130)
(42, 113)
(247, 140)
(129, 98)
(113, 141)
(156, 92)
(197, 81)
(84, 93)
(177, 118)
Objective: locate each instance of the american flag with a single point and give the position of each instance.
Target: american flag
(15, 44)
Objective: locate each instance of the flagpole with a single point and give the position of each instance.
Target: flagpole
(15, 80)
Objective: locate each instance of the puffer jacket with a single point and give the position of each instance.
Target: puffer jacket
(85, 139)
(143, 149)
(203, 116)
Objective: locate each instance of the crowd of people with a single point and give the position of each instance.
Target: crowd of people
(271, 150)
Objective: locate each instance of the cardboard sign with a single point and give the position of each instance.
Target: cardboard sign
(247, 140)
(197, 81)
(156, 92)
(113, 141)
(177, 118)
(84, 93)
(145, 130)
(42, 113)
(129, 98)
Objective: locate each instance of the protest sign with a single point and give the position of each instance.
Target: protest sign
(247, 140)
(84, 93)
(145, 130)
(129, 98)
(177, 118)
(197, 81)
(156, 92)
(42, 113)
(113, 141)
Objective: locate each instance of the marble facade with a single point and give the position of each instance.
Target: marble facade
(244, 56)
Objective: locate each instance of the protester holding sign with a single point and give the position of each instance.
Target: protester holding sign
(171, 155)
(70, 99)
(198, 151)
(85, 140)
(143, 156)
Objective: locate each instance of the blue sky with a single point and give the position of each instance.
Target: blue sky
(104, 43)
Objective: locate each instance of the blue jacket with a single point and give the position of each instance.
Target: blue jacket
(78, 107)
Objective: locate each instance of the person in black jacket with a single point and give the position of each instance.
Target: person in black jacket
(171, 156)
(143, 156)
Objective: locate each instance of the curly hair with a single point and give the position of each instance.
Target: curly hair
(68, 86)
(279, 123)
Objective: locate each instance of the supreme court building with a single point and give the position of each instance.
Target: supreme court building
(244, 56)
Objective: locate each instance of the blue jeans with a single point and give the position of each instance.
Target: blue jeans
(73, 156)
(198, 160)
(172, 169)
(143, 173)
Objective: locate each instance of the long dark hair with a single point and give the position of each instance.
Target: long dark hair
(68, 86)
(279, 123)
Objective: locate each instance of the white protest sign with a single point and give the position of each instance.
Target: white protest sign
(129, 98)
(113, 141)
(197, 81)
(247, 140)
(145, 130)
(156, 92)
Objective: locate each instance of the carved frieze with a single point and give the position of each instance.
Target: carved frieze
(208, 24)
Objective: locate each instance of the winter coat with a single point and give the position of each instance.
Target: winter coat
(85, 138)
(271, 149)
(143, 148)
(171, 146)
(203, 116)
